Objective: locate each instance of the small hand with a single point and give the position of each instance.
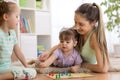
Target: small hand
(74, 69)
(44, 56)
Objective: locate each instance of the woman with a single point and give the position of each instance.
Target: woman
(91, 43)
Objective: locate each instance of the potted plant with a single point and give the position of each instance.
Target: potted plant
(113, 13)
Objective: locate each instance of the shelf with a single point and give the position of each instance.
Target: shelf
(31, 9)
(29, 46)
(44, 40)
(35, 28)
(28, 34)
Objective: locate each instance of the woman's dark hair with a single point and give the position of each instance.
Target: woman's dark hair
(89, 11)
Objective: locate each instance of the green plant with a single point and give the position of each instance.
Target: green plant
(38, 4)
(22, 3)
(113, 13)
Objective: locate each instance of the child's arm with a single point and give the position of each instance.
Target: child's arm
(78, 61)
(20, 55)
(48, 62)
(46, 54)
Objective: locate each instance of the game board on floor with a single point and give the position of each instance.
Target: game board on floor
(68, 75)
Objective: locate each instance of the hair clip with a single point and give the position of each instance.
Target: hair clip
(64, 29)
(94, 4)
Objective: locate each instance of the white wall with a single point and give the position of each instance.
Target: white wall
(62, 14)
(112, 40)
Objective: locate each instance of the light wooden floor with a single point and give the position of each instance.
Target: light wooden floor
(97, 76)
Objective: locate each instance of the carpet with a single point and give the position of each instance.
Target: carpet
(114, 67)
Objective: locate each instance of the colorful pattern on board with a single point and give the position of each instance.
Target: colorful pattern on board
(63, 75)
(58, 75)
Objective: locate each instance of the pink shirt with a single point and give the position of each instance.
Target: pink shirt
(71, 60)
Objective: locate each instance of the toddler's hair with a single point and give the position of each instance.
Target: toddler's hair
(67, 34)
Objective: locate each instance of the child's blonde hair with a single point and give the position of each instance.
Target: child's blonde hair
(92, 12)
(6, 8)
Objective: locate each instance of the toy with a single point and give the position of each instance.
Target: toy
(67, 75)
(40, 49)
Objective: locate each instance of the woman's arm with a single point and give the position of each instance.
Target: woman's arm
(46, 54)
(20, 55)
(101, 66)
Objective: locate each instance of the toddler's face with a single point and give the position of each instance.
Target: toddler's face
(67, 45)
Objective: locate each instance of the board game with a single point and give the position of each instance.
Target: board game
(68, 75)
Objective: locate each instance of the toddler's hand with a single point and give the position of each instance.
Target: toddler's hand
(44, 56)
(74, 69)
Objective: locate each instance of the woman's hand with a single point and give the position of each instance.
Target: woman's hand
(44, 56)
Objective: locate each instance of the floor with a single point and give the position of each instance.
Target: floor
(115, 61)
(97, 76)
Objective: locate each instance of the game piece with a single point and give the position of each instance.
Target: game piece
(66, 73)
(61, 73)
(51, 74)
(69, 74)
(57, 76)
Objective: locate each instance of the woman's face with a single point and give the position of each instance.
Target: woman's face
(82, 25)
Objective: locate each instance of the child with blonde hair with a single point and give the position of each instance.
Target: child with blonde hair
(9, 18)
